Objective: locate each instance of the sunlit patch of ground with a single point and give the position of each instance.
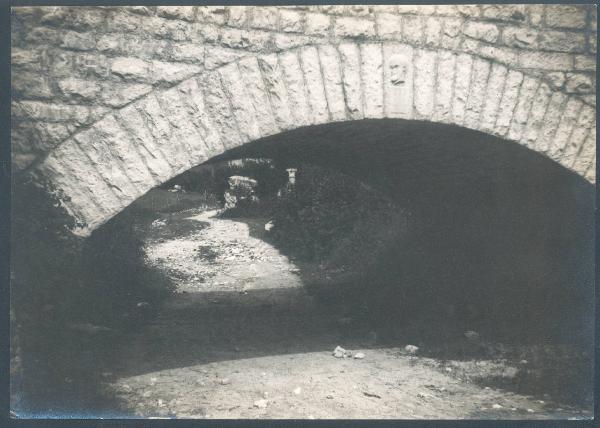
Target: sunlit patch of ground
(385, 384)
(220, 255)
(242, 338)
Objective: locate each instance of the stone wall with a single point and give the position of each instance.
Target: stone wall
(110, 101)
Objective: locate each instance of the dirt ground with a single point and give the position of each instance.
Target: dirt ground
(242, 338)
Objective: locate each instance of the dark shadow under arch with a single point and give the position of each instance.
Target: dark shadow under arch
(491, 221)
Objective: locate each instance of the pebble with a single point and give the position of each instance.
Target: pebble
(530, 411)
(297, 391)
(329, 396)
(359, 356)
(411, 349)
(261, 404)
(340, 352)
(497, 406)
(225, 381)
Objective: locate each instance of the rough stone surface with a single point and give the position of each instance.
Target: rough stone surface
(354, 27)
(424, 75)
(443, 98)
(491, 102)
(178, 84)
(332, 80)
(372, 79)
(350, 58)
(313, 79)
(296, 88)
(464, 65)
(566, 16)
(482, 31)
(276, 90)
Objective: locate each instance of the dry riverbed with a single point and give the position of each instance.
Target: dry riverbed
(241, 338)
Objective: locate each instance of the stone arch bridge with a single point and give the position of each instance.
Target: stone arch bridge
(109, 102)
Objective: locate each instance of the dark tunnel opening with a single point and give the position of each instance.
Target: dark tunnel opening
(495, 228)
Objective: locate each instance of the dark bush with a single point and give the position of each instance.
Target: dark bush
(331, 217)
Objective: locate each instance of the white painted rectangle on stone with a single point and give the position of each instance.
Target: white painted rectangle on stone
(477, 92)
(243, 110)
(526, 95)
(510, 96)
(218, 109)
(296, 90)
(158, 125)
(424, 83)
(275, 86)
(193, 98)
(103, 160)
(132, 122)
(253, 82)
(551, 120)
(565, 127)
(462, 83)
(313, 79)
(493, 96)
(536, 116)
(350, 59)
(444, 87)
(332, 80)
(372, 79)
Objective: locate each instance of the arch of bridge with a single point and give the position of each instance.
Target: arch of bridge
(112, 160)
